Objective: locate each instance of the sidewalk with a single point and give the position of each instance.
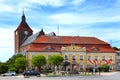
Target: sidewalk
(108, 73)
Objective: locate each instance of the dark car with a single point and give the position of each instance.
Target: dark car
(30, 73)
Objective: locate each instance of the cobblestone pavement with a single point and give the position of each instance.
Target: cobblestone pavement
(103, 76)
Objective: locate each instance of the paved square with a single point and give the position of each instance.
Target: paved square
(103, 76)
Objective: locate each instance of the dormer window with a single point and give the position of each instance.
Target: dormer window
(95, 48)
(49, 48)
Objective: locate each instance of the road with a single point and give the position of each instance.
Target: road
(103, 76)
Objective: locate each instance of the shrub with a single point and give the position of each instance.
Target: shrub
(105, 68)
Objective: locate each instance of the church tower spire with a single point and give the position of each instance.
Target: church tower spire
(22, 32)
(23, 17)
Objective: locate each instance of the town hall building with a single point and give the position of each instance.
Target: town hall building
(80, 51)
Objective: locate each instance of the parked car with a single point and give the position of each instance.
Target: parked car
(30, 73)
(9, 74)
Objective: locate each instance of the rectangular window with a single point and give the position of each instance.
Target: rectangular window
(103, 58)
(110, 58)
(66, 57)
(81, 57)
(81, 66)
(96, 57)
(73, 57)
(89, 57)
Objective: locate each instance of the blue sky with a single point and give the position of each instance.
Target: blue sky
(98, 18)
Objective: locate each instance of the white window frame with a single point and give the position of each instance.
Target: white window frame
(89, 57)
(81, 66)
(96, 57)
(103, 57)
(81, 57)
(73, 57)
(66, 57)
(110, 58)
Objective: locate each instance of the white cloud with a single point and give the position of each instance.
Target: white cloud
(6, 8)
(76, 18)
(6, 43)
(55, 3)
(77, 2)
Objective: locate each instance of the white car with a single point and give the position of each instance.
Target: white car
(9, 74)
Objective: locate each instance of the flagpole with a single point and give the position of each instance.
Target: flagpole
(86, 63)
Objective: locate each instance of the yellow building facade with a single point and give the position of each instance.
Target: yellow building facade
(79, 57)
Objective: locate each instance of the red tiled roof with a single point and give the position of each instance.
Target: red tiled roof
(100, 49)
(68, 40)
(54, 44)
(45, 48)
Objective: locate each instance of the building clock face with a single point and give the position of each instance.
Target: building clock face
(26, 32)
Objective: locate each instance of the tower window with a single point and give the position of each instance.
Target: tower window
(16, 33)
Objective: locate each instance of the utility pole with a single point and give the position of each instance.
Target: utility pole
(58, 30)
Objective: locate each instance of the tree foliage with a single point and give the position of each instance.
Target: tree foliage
(39, 61)
(21, 63)
(115, 48)
(105, 68)
(12, 69)
(3, 68)
(55, 60)
(11, 61)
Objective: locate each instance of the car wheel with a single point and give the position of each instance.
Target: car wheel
(12, 75)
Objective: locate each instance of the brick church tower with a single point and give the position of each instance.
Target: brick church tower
(22, 32)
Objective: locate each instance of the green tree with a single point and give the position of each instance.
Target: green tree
(115, 48)
(21, 63)
(55, 60)
(39, 61)
(11, 61)
(12, 69)
(3, 68)
(105, 68)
